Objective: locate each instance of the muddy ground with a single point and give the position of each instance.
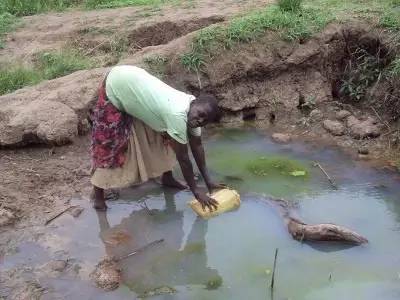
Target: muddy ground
(268, 84)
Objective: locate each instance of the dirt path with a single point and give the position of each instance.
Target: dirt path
(56, 30)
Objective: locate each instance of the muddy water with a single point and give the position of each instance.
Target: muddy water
(231, 256)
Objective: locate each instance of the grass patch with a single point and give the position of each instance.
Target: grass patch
(292, 19)
(57, 64)
(391, 19)
(32, 7)
(156, 65)
(395, 68)
(17, 77)
(291, 25)
(290, 5)
(48, 65)
(93, 4)
(7, 23)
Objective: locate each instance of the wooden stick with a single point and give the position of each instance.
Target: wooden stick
(273, 271)
(58, 215)
(332, 182)
(140, 249)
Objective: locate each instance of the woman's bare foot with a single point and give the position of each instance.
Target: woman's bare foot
(169, 181)
(99, 200)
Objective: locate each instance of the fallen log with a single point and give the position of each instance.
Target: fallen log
(319, 232)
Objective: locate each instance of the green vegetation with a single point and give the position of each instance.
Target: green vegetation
(292, 19)
(391, 19)
(291, 25)
(156, 65)
(214, 283)
(91, 4)
(395, 68)
(57, 64)
(290, 5)
(31, 7)
(14, 78)
(7, 23)
(48, 65)
(361, 71)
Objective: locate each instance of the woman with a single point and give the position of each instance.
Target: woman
(139, 123)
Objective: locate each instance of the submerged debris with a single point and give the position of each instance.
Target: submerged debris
(319, 232)
(107, 275)
(214, 283)
(53, 268)
(163, 290)
(76, 211)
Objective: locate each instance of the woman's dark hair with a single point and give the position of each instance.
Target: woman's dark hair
(212, 102)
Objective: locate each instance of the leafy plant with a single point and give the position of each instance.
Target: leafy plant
(361, 71)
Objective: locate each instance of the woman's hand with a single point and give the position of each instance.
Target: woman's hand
(206, 201)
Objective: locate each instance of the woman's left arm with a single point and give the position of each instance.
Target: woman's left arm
(197, 148)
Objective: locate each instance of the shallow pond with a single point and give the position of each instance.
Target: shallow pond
(231, 256)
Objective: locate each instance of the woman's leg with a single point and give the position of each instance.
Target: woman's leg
(99, 199)
(167, 179)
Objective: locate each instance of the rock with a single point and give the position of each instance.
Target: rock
(363, 150)
(76, 211)
(342, 115)
(107, 275)
(316, 115)
(39, 121)
(334, 127)
(54, 267)
(363, 129)
(50, 112)
(281, 138)
(7, 217)
(352, 120)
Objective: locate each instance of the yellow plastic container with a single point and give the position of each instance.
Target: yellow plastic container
(227, 200)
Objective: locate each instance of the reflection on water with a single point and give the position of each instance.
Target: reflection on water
(167, 264)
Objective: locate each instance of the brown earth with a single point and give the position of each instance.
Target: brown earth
(282, 87)
(94, 28)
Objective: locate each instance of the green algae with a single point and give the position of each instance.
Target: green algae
(276, 166)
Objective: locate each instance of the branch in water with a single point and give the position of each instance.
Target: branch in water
(319, 232)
